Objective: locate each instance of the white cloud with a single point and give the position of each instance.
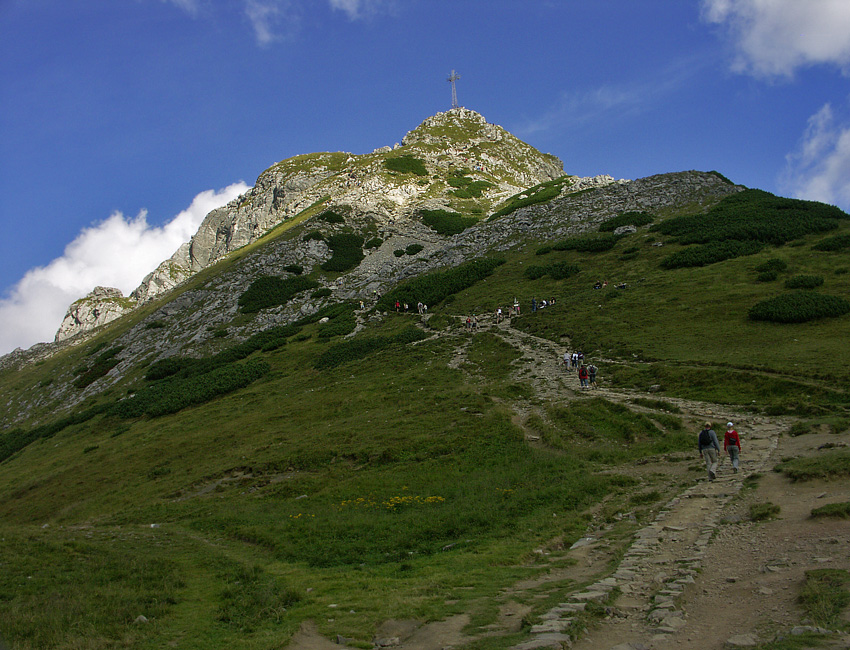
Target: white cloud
(273, 20)
(191, 7)
(776, 37)
(819, 170)
(117, 252)
(361, 8)
(576, 109)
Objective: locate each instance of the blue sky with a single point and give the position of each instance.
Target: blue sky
(124, 122)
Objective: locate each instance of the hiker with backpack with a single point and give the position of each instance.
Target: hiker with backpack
(732, 445)
(709, 448)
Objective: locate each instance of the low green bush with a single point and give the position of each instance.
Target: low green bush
(762, 511)
(799, 307)
(767, 276)
(711, 253)
(532, 196)
(347, 252)
(833, 244)
(588, 243)
(557, 271)
(432, 288)
(833, 510)
(830, 465)
(754, 215)
(773, 264)
(626, 219)
(359, 348)
(375, 242)
(804, 282)
(398, 252)
(271, 291)
(99, 367)
(412, 249)
(406, 165)
(324, 292)
(446, 223)
(295, 269)
(313, 235)
(330, 216)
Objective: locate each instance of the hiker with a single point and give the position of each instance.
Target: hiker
(567, 361)
(582, 376)
(732, 445)
(591, 375)
(709, 448)
(533, 305)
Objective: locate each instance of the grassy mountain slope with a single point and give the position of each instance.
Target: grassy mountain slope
(399, 481)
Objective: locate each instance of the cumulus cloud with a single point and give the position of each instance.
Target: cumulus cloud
(819, 170)
(776, 37)
(117, 252)
(271, 20)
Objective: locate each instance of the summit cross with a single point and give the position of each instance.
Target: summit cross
(454, 77)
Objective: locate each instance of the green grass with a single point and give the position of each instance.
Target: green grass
(825, 596)
(831, 465)
(763, 511)
(833, 510)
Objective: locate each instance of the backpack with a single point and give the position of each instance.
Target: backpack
(705, 438)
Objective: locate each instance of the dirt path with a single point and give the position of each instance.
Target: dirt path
(701, 575)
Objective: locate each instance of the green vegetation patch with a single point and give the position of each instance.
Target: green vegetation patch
(67, 591)
(538, 194)
(830, 465)
(833, 510)
(588, 243)
(773, 264)
(271, 291)
(406, 165)
(362, 347)
(825, 596)
(433, 288)
(711, 253)
(754, 215)
(799, 307)
(763, 511)
(446, 223)
(467, 187)
(833, 244)
(557, 271)
(804, 282)
(347, 251)
(102, 364)
(626, 219)
(375, 242)
(330, 216)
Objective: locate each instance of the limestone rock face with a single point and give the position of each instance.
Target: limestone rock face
(102, 305)
(459, 140)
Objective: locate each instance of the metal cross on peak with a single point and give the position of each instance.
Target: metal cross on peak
(454, 77)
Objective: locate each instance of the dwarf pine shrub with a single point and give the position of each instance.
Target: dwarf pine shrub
(804, 282)
(588, 244)
(710, 253)
(626, 219)
(445, 222)
(347, 251)
(798, 307)
(406, 165)
(271, 291)
(432, 288)
(832, 244)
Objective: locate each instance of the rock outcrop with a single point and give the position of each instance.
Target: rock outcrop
(101, 306)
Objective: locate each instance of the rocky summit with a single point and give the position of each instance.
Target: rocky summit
(455, 163)
(459, 143)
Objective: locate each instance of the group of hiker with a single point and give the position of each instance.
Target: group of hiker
(586, 373)
(709, 448)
